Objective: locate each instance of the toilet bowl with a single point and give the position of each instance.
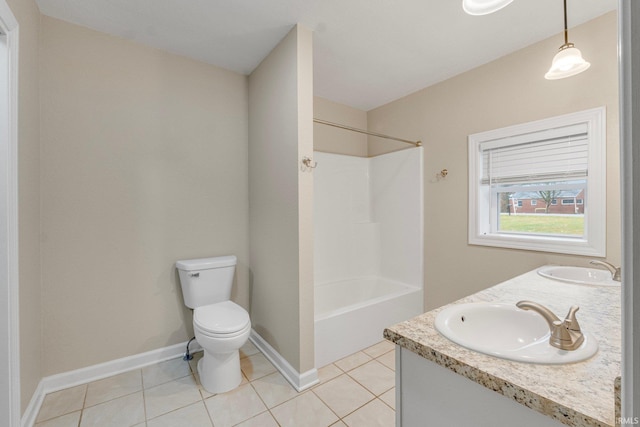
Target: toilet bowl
(220, 329)
(220, 325)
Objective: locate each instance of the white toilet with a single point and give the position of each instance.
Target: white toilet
(221, 326)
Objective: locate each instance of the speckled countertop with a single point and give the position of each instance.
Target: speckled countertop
(578, 394)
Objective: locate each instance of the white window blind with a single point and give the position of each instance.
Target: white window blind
(564, 154)
(549, 155)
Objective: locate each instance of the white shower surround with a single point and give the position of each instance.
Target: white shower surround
(368, 249)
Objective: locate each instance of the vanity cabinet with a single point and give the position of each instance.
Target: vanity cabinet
(442, 384)
(428, 394)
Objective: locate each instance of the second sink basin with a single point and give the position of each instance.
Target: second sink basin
(580, 275)
(505, 331)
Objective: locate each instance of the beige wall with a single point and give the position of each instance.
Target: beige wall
(28, 17)
(144, 162)
(280, 199)
(306, 307)
(334, 140)
(507, 91)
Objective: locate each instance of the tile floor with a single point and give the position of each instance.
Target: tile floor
(357, 391)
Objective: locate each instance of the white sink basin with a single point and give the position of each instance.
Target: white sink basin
(580, 275)
(505, 331)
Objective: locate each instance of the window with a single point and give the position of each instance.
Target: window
(558, 164)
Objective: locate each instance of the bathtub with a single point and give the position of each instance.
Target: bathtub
(350, 315)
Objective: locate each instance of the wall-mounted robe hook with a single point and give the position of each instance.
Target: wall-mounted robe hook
(307, 162)
(440, 176)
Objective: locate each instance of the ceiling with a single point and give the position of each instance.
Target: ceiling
(366, 52)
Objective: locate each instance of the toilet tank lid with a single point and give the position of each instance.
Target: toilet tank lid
(206, 263)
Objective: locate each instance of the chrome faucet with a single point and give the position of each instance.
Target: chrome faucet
(615, 271)
(565, 334)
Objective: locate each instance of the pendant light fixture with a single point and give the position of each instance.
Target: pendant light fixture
(568, 62)
(483, 7)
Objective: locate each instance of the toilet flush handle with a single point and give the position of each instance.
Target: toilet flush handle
(194, 274)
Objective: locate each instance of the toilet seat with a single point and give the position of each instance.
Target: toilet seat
(219, 337)
(221, 320)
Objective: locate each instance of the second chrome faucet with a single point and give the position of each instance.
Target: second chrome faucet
(565, 334)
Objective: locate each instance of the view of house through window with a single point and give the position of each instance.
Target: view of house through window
(540, 185)
(553, 211)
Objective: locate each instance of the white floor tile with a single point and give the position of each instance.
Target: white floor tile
(389, 398)
(376, 377)
(193, 363)
(168, 394)
(328, 372)
(256, 366)
(121, 412)
(274, 389)
(62, 402)
(194, 415)
(248, 349)
(235, 406)
(110, 388)
(171, 396)
(69, 420)
(388, 360)
(353, 361)
(343, 395)
(163, 372)
(263, 420)
(306, 410)
(373, 414)
(379, 349)
(203, 392)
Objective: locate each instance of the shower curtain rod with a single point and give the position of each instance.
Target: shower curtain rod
(337, 125)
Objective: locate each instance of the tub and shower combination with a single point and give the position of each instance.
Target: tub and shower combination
(368, 249)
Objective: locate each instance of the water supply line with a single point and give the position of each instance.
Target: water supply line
(187, 355)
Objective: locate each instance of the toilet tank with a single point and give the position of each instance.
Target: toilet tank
(206, 280)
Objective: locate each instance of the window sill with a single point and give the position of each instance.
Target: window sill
(562, 245)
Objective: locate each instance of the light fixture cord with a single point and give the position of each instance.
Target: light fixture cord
(566, 32)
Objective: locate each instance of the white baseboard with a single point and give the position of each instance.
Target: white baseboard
(299, 381)
(32, 409)
(89, 374)
(58, 382)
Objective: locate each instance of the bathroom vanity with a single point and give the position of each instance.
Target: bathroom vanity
(441, 383)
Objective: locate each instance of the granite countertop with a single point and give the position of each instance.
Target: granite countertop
(577, 394)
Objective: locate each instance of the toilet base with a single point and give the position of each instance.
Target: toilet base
(220, 372)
